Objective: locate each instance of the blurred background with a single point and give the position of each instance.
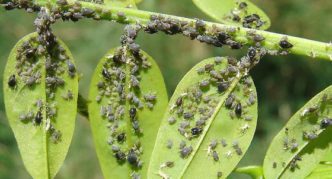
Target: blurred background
(283, 84)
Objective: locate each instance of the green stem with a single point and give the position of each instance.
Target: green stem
(301, 46)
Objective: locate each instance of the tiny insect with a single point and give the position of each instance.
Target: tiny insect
(38, 118)
(171, 120)
(285, 44)
(188, 115)
(223, 142)
(179, 101)
(186, 151)
(132, 158)
(223, 87)
(274, 165)
(121, 137)
(326, 122)
(132, 112)
(168, 164)
(196, 131)
(215, 156)
(219, 174)
(182, 144)
(115, 148)
(238, 110)
(169, 144)
(12, 81)
(120, 156)
(213, 144)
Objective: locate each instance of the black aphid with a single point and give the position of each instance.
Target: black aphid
(326, 122)
(132, 158)
(215, 156)
(223, 86)
(120, 156)
(38, 118)
(121, 137)
(238, 110)
(179, 101)
(12, 81)
(132, 113)
(285, 44)
(186, 151)
(196, 131)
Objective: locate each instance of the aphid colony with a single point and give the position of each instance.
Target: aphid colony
(121, 99)
(316, 121)
(240, 14)
(192, 110)
(31, 56)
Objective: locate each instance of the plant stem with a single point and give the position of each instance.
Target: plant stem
(305, 47)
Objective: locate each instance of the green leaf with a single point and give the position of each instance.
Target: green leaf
(255, 172)
(121, 3)
(322, 171)
(110, 107)
(303, 142)
(41, 113)
(194, 103)
(234, 12)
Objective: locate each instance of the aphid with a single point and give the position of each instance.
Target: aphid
(121, 137)
(251, 53)
(309, 110)
(196, 131)
(188, 115)
(106, 74)
(219, 174)
(286, 143)
(132, 112)
(229, 101)
(244, 128)
(120, 156)
(208, 67)
(326, 122)
(215, 156)
(204, 83)
(115, 148)
(294, 145)
(293, 164)
(136, 127)
(87, 12)
(168, 164)
(200, 23)
(310, 136)
(171, 120)
(213, 144)
(238, 110)
(243, 5)
(121, 15)
(258, 38)
(238, 151)
(38, 118)
(12, 81)
(56, 136)
(252, 99)
(179, 101)
(150, 97)
(135, 175)
(68, 96)
(274, 164)
(200, 123)
(169, 144)
(186, 151)
(223, 86)
(182, 144)
(134, 81)
(218, 60)
(200, 70)
(132, 158)
(71, 67)
(223, 142)
(285, 44)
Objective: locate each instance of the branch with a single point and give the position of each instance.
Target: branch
(305, 47)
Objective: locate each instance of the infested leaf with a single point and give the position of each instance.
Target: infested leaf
(239, 13)
(208, 125)
(40, 91)
(126, 90)
(303, 142)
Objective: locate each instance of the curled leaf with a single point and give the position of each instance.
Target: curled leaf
(40, 90)
(240, 13)
(303, 142)
(209, 123)
(128, 98)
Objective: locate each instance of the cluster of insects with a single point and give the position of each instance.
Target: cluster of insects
(121, 98)
(190, 113)
(241, 14)
(317, 121)
(35, 54)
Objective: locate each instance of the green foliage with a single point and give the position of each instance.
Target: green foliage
(151, 83)
(232, 133)
(121, 3)
(322, 171)
(256, 172)
(42, 115)
(303, 142)
(234, 12)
